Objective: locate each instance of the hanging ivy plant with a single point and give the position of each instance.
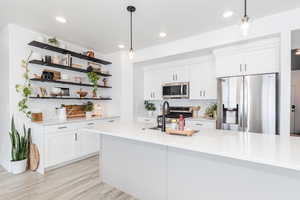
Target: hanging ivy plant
(25, 89)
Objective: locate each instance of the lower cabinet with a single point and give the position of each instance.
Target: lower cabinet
(60, 147)
(65, 146)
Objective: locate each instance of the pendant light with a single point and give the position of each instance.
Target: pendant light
(131, 9)
(245, 22)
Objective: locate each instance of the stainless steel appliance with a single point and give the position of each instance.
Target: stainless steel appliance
(175, 90)
(248, 104)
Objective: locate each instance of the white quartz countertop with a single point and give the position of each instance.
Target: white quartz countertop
(274, 150)
(75, 120)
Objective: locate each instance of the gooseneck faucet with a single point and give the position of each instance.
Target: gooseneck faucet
(165, 111)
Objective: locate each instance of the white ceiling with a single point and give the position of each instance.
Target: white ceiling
(103, 24)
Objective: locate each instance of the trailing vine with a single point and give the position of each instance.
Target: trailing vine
(25, 89)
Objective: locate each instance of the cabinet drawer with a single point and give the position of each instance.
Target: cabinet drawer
(201, 125)
(61, 128)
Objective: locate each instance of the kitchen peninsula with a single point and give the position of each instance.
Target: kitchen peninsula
(151, 165)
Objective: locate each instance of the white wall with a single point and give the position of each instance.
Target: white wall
(279, 24)
(4, 98)
(19, 37)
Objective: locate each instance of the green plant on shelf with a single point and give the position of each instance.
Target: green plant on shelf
(89, 106)
(149, 106)
(53, 41)
(93, 78)
(211, 111)
(26, 89)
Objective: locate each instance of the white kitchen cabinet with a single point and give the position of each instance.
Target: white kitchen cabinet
(88, 143)
(152, 85)
(60, 147)
(203, 83)
(175, 74)
(258, 57)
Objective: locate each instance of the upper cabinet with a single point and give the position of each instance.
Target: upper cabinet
(152, 84)
(258, 57)
(175, 74)
(203, 83)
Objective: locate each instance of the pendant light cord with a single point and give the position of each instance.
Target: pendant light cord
(131, 42)
(245, 7)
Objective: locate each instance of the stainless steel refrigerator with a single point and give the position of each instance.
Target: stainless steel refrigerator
(248, 103)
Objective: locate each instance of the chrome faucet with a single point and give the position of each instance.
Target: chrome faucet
(165, 111)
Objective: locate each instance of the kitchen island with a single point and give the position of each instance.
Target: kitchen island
(211, 165)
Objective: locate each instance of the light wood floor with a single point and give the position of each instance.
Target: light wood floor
(73, 182)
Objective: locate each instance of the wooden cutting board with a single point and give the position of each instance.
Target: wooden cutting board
(34, 156)
(183, 133)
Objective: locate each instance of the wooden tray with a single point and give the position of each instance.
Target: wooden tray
(75, 111)
(183, 133)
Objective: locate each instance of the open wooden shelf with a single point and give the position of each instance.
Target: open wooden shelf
(64, 67)
(71, 98)
(67, 83)
(65, 51)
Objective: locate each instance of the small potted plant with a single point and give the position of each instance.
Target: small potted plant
(150, 107)
(93, 78)
(88, 108)
(211, 111)
(53, 41)
(19, 148)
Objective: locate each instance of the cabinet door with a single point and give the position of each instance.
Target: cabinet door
(152, 85)
(229, 65)
(203, 83)
(148, 93)
(60, 147)
(261, 61)
(88, 143)
(174, 74)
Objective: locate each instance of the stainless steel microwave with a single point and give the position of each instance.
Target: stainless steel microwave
(175, 90)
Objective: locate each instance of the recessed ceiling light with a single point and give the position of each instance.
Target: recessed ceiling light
(121, 46)
(162, 34)
(227, 14)
(61, 19)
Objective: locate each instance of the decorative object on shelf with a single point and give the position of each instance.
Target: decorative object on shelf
(75, 98)
(131, 9)
(53, 41)
(56, 91)
(65, 77)
(211, 111)
(105, 82)
(36, 116)
(67, 60)
(88, 108)
(245, 21)
(98, 110)
(81, 93)
(55, 75)
(65, 92)
(37, 76)
(47, 75)
(150, 107)
(48, 59)
(25, 89)
(61, 113)
(89, 53)
(19, 148)
(196, 110)
(93, 78)
(43, 92)
(75, 111)
(79, 66)
(56, 60)
(94, 67)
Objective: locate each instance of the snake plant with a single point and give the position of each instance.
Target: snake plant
(20, 143)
